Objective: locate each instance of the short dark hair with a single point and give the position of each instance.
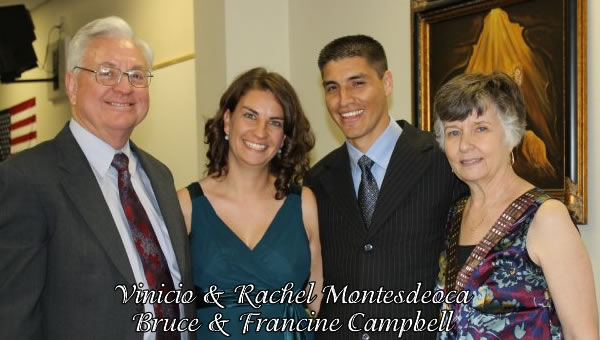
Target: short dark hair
(456, 100)
(293, 162)
(355, 46)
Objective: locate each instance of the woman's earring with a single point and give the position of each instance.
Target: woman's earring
(226, 137)
(512, 158)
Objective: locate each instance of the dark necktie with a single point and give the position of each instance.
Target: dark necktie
(154, 262)
(367, 190)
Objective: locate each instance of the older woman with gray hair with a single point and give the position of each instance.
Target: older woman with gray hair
(512, 247)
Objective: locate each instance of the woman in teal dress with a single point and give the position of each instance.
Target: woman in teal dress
(509, 245)
(253, 229)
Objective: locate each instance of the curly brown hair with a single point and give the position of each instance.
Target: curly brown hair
(292, 164)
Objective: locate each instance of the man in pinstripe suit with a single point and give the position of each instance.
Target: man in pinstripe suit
(397, 247)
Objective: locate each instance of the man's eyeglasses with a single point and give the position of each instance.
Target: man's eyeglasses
(111, 76)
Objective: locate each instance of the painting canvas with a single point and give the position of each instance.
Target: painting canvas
(528, 40)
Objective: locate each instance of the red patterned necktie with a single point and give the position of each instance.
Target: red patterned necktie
(155, 264)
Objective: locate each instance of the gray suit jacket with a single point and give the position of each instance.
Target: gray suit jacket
(61, 255)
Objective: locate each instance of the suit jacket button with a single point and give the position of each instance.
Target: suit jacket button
(368, 247)
(365, 336)
(139, 307)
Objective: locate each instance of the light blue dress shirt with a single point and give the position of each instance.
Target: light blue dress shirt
(100, 155)
(380, 153)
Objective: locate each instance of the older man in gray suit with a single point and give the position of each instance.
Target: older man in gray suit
(89, 211)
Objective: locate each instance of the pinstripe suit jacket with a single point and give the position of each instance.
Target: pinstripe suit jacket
(402, 245)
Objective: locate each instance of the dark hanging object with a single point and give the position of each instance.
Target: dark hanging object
(16, 38)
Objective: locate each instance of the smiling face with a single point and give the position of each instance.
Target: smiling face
(255, 129)
(356, 98)
(108, 112)
(476, 147)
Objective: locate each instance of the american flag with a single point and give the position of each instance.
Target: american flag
(17, 128)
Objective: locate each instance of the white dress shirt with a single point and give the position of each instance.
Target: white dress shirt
(100, 155)
(380, 153)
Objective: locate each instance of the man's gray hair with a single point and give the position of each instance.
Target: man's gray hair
(110, 26)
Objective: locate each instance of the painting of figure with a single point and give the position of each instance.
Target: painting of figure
(524, 40)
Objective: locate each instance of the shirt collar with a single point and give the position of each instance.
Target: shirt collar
(381, 151)
(99, 153)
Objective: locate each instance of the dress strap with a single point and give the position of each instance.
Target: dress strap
(511, 216)
(295, 189)
(195, 190)
(453, 232)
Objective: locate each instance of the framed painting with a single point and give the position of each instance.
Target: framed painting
(542, 45)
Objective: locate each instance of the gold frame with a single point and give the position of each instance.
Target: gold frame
(424, 13)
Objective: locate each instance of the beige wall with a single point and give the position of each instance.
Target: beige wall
(168, 26)
(252, 40)
(313, 23)
(211, 66)
(591, 232)
(169, 132)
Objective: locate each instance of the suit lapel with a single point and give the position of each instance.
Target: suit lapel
(407, 164)
(82, 188)
(339, 186)
(162, 185)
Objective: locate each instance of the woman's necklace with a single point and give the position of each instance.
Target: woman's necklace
(474, 225)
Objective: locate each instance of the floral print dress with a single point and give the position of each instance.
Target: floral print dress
(510, 296)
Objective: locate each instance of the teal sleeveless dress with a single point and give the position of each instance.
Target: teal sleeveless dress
(220, 258)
